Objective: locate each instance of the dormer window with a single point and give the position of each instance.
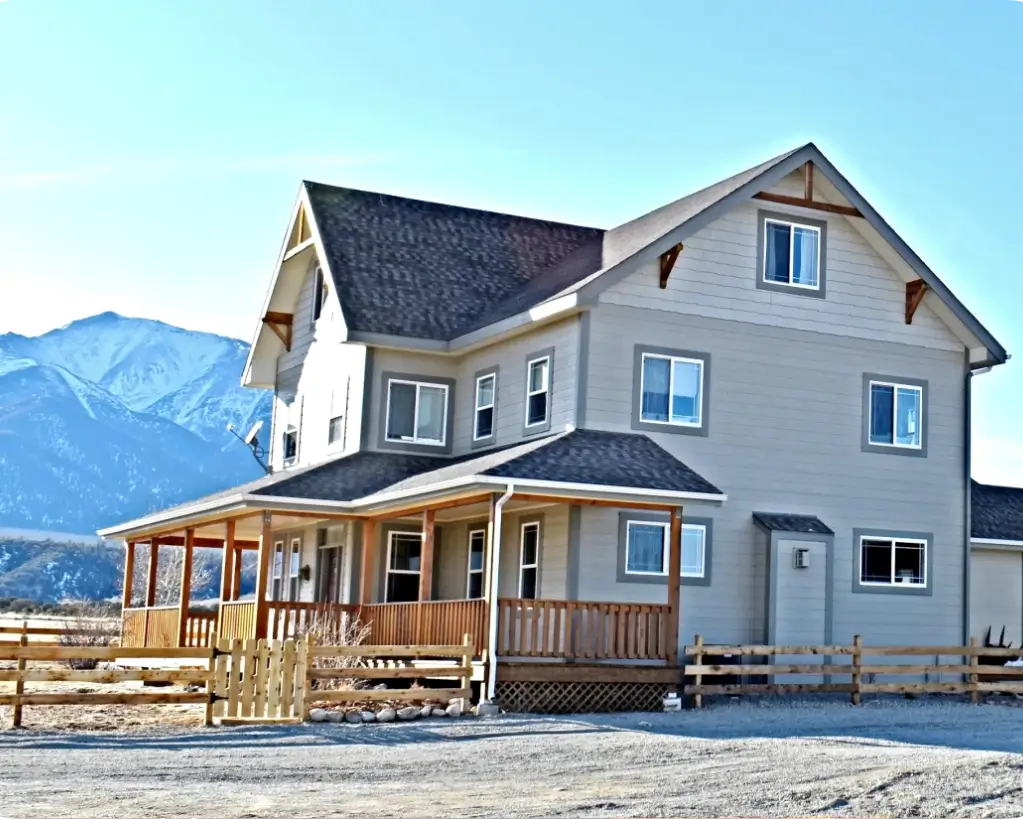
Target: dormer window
(791, 254)
(416, 412)
(319, 293)
(290, 444)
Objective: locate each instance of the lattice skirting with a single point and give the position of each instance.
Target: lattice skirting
(579, 697)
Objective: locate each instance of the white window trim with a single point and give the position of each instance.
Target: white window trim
(792, 240)
(277, 571)
(470, 571)
(295, 563)
(533, 524)
(892, 541)
(671, 359)
(476, 414)
(320, 292)
(895, 413)
(290, 429)
(415, 439)
(545, 389)
(389, 571)
(666, 529)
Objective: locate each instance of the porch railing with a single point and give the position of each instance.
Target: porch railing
(200, 629)
(157, 627)
(238, 620)
(433, 622)
(583, 630)
(291, 619)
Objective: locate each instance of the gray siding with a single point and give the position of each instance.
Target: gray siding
(786, 407)
(553, 552)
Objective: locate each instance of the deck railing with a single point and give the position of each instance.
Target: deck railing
(432, 622)
(200, 629)
(238, 620)
(292, 619)
(584, 630)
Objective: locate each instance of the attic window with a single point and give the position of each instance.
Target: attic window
(791, 254)
(319, 293)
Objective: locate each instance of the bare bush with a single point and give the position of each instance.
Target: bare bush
(88, 625)
(332, 627)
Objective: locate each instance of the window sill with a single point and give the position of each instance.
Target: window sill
(906, 589)
(893, 449)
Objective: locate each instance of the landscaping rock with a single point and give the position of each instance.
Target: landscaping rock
(380, 687)
(408, 713)
(369, 716)
(487, 709)
(454, 708)
(353, 717)
(318, 715)
(438, 712)
(426, 711)
(336, 716)
(387, 715)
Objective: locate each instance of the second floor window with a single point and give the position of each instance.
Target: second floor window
(290, 445)
(792, 254)
(671, 391)
(416, 412)
(896, 415)
(538, 382)
(486, 392)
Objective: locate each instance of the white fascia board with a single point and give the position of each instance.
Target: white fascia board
(609, 490)
(179, 515)
(984, 542)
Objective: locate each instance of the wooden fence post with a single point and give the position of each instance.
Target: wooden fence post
(698, 678)
(302, 681)
(857, 662)
(19, 684)
(974, 662)
(466, 682)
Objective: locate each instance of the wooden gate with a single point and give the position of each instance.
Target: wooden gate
(260, 680)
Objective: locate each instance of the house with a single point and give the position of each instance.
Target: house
(744, 414)
(996, 564)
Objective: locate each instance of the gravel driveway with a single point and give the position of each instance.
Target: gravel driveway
(885, 758)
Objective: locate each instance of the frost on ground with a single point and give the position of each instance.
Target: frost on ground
(884, 758)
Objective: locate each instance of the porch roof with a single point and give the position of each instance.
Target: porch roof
(583, 463)
(781, 522)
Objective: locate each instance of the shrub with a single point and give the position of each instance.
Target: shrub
(89, 625)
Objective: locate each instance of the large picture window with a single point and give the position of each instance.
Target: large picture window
(416, 412)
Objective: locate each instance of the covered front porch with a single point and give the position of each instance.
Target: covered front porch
(429, 558)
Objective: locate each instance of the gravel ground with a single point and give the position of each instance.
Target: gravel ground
(885, 758)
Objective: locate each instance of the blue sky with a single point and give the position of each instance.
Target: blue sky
(150, 152)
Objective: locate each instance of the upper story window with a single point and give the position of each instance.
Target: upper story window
(486, 397)
(894, 415)
(338, 406)
(646, 548)
(416, 412)
(791, 254)
(538, 386)
(319, 292)
(671, 391)
(290, 422)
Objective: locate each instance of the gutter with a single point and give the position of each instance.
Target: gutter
(495, 573)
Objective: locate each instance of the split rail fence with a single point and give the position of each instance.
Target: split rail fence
(930, 670)
(247, 681)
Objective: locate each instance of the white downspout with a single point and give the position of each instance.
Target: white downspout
(495, 562)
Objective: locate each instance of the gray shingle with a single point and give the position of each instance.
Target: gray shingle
(997, 512)
(781, 522)
(425, 270)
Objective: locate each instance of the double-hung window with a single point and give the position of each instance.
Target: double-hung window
(792, 254)
(529, 560)
(477, 547)
(404, 550)
(647, 548)
(486, 396)
(338, 407)
(417, 412)
(893, 561)
(538, 386)
(277, 575)
(320, 291)
(896, 415)
(671, 390)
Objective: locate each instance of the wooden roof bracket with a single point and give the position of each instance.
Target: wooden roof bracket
(915, 292)
(807, 201)
(668, 259)
(281, 324)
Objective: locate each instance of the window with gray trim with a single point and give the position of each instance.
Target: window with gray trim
(529, 560)
(791, 254)
(894, 415)
(670, 390)
(644, 548)
(416, 412)
(477, 549)
(538, 388)
(892, 562)
(486, 399)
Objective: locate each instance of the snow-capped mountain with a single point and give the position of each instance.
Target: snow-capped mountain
(112, 417)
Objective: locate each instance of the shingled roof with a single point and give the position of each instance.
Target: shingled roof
(425, 270)
(997, 512)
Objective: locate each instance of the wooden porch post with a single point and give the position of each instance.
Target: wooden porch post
(186, 587)
(674, 583)
(129, 573)
(426, 556)
(236, 581)
(369, 549)
(262, 576)
(227, 563)
(154, 561)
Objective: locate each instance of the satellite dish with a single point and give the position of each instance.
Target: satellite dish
(250, 438)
